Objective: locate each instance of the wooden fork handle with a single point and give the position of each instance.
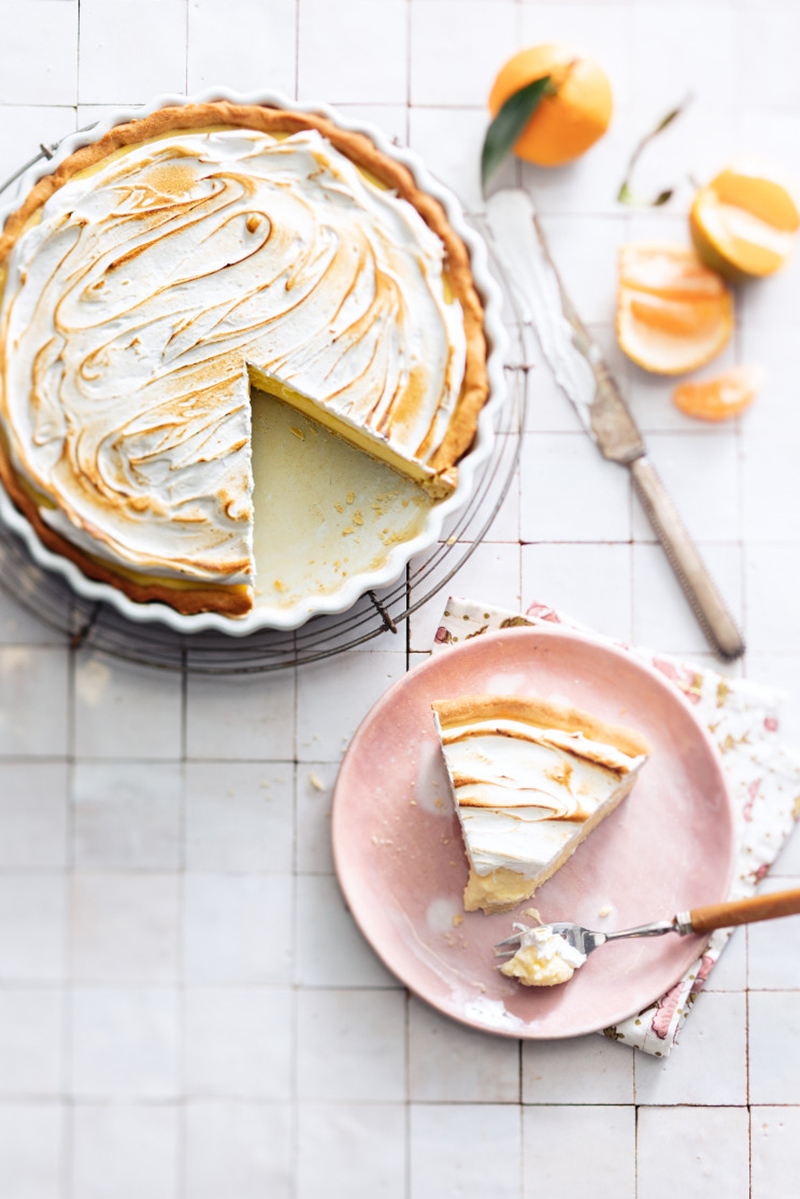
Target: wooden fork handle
(745, 911)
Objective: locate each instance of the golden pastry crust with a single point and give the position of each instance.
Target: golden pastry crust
(362, 151)
(544, 715)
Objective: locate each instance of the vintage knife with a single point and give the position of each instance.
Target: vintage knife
(582, 373)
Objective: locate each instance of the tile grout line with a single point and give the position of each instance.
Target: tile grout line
(741, 498)
(295, 986)
(78, 64)
(635, 1147)
(296, 49)
(407, 1104)
(521, 1106)
(180, 936)
(68, 998)
(748, 1096)
(294, 981)
(521, 1130)
(294, 1088)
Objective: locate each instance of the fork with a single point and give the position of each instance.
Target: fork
(699, 920)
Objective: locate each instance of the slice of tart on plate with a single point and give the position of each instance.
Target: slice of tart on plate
(530, 779)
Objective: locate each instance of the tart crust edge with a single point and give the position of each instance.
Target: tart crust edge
(545, 714)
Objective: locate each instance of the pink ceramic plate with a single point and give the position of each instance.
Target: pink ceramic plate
(400, 859)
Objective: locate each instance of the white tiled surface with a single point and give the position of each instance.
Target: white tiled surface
(164, 844)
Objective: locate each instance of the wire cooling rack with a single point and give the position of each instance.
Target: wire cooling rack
(105, 630)
(99, 626)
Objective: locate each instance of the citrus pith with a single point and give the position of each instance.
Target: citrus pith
(673, 313)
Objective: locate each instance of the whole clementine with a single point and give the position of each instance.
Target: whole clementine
(573, 114)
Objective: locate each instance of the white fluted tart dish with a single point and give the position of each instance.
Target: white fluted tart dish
(248, 352)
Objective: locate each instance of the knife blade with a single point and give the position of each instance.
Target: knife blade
(583, 375)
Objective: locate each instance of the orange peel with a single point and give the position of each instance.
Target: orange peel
(722, 397)
(745, 222)
(673, 313)
(574, 113)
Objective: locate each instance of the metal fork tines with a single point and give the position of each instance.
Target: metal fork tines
(698, 920)
(585, 940)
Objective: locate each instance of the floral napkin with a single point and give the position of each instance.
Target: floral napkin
(763, 777)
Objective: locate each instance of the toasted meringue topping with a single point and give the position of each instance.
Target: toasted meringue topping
(134, 309)
(524, 793)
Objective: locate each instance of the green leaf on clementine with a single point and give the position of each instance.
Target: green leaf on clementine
(509, 123)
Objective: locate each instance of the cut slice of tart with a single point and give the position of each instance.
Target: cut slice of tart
(530, 780)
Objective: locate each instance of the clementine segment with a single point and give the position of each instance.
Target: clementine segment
(571, 116)
(673, 313)
(722, 397)
(678, 316)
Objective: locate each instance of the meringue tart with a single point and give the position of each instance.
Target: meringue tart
(160, 273)
(530, 781)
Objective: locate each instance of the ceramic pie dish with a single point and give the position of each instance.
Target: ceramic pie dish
(315, 552)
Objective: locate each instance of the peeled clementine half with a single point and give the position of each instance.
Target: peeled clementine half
(722, 397)
(673, 313)
(745, 221)
(573, 114)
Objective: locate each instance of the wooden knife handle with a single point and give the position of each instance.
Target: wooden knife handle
(707, 603)
(745, 911)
